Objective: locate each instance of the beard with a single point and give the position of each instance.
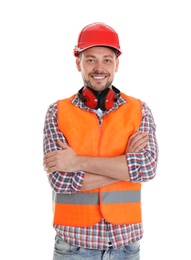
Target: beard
(88, 84)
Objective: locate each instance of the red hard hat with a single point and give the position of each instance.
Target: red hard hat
(97, 34)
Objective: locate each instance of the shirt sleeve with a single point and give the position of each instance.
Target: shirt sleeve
(61, 182)
(142, 165)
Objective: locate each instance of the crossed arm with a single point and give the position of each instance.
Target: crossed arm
(99, 171)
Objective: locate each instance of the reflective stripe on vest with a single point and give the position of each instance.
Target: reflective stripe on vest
(93, 198)
(118, 203)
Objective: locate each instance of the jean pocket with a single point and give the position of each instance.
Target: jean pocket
(63, 248)
(132, 248)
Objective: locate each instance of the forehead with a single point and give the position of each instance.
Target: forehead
(99, 50)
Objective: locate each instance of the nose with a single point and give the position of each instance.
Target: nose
(98, 68)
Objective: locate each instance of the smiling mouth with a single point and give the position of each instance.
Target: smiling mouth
(98, 77)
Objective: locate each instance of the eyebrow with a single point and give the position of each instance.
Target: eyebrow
(105, 56)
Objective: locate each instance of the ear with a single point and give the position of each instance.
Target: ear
(78, 64)
(117, 65)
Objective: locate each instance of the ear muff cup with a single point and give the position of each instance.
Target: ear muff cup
(106, 99)
(89, 97)
(92, 99)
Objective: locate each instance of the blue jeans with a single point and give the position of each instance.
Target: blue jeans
(63, 250)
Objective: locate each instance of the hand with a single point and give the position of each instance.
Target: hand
(60, 160)
(137, 142)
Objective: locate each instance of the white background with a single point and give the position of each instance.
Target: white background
(37, 67)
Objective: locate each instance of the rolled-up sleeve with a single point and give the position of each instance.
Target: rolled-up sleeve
(61, 182)
(142, 165)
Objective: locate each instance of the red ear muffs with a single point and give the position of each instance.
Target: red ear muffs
(94, 100)
(89, 97)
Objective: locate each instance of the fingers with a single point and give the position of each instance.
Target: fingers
(140, 144)
(62, 144)
(53, 153)
(140, 141)
(137, 141)
(50, 167)
(49, 161)
(135, 136)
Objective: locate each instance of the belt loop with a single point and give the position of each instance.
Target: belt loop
(110, 245)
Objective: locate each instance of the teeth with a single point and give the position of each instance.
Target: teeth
(99, 77)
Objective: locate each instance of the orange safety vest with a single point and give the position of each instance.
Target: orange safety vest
(118, 203)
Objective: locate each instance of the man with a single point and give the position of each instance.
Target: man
(99, 146)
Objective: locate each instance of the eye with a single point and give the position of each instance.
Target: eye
(90, 60)
(108, 60)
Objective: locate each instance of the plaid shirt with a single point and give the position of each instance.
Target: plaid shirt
(142, 167)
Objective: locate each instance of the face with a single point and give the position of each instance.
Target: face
(98, 66)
